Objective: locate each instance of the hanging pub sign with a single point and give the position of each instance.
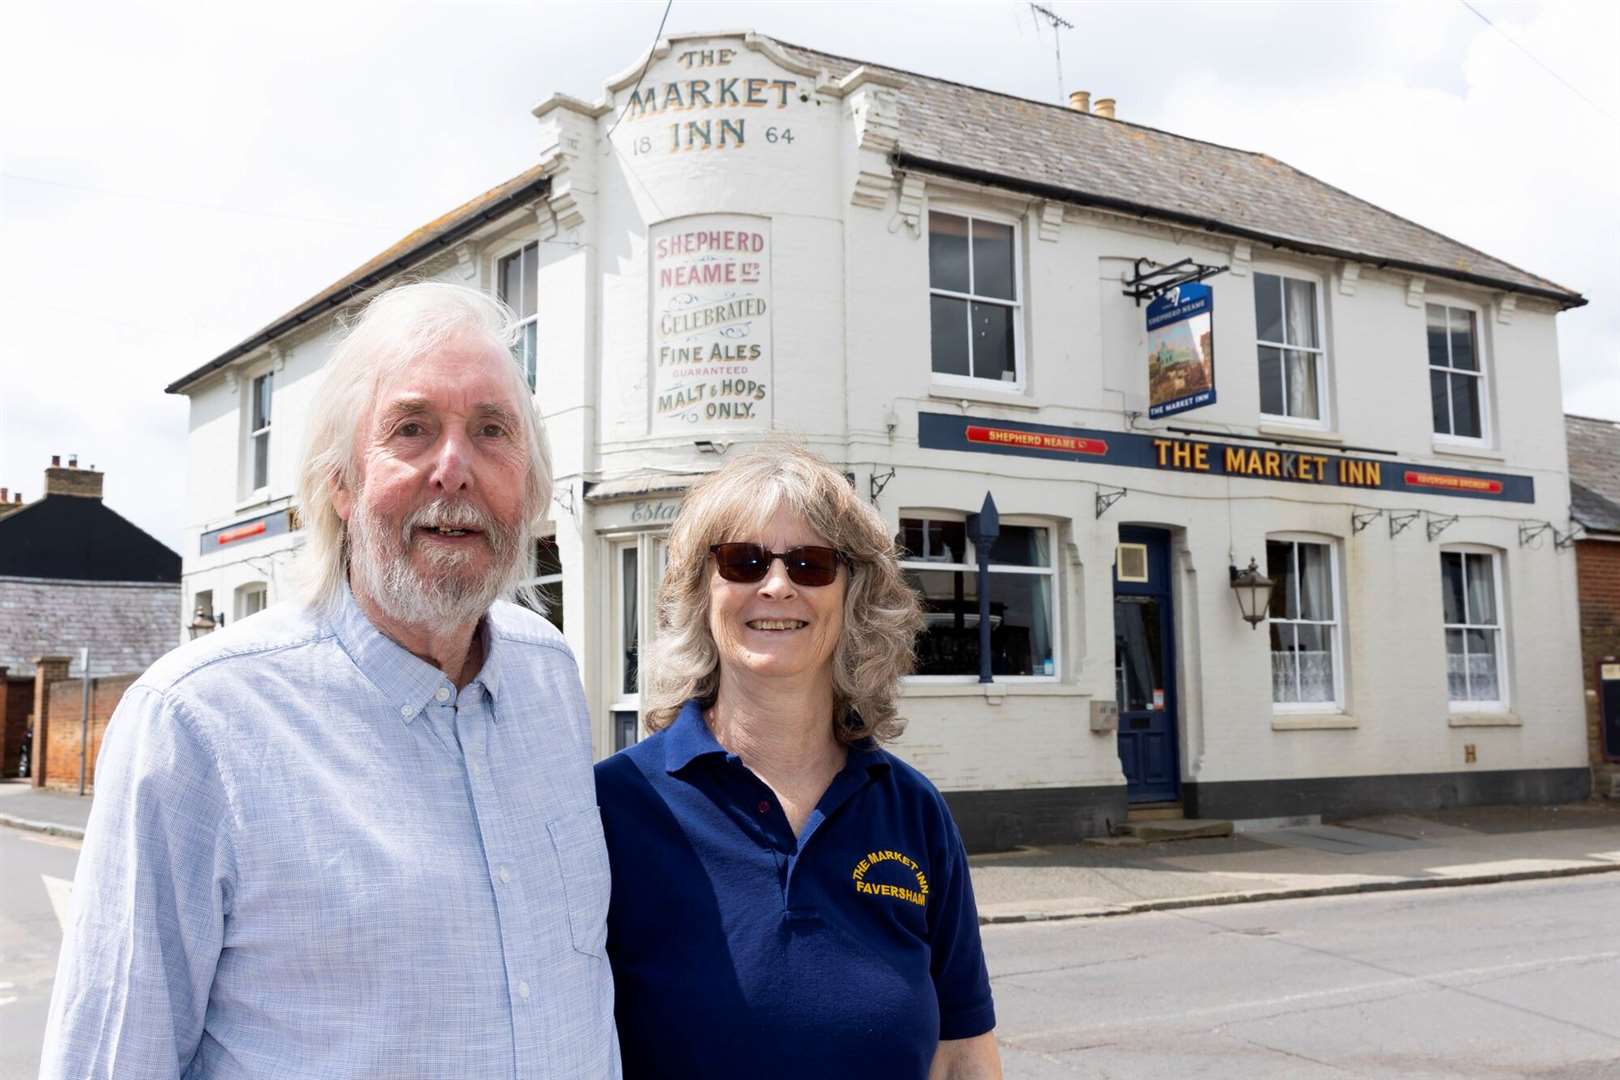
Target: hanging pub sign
(1131, 450)
(711, 324)
(1181, 350)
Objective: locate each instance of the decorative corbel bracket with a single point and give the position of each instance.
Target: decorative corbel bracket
(466, 262)
(1506, 305)
(278, 357)
(1242, 257)
(1051, 221)
(911, 202)
(1414, 292)
(1349, 275)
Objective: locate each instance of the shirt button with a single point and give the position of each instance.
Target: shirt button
(506, 876)
(476, 770)
(406, 711)
(442, 693)
(764, 807)
(523, 991)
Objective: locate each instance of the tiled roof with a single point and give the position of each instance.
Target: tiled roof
(127, 626)
(1594, 472)
(1127, 166)
(439, 233)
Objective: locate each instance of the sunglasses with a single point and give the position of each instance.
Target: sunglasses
(748, 563)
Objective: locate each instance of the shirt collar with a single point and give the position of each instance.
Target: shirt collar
(690, 739)
(409, 683)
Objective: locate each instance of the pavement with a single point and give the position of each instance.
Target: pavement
(1433, 849)
(1422, 850)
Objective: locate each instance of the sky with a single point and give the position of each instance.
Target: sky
(173, 176)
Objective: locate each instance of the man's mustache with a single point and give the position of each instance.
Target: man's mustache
(451, 514)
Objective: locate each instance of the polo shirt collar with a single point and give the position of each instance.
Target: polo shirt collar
(406, 681)
(690, 739)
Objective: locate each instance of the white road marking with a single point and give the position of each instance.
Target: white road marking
(60, 890)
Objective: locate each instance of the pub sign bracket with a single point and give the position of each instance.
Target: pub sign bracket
(1150, 280)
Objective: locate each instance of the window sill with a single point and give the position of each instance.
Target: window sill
(1298, 433)
(993, 692)
(254, 501)
(1313, 722)
(1484, 719)
(1467, 450)
(956, 395)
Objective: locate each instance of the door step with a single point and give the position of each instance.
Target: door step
(1165, 811)
(1174, 829)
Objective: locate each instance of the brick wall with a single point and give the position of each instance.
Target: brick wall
(16, 699)
(63, 720)
(1597, 571)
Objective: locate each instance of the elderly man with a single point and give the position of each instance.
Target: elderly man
(357, 836)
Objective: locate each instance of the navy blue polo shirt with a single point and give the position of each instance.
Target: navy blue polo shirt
(739, 950)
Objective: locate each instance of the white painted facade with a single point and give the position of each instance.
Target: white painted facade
(846, 369)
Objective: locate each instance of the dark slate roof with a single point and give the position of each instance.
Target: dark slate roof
(437, 234)
(1594, 472)
(127, 626)
(1071, 156)
(81, 539)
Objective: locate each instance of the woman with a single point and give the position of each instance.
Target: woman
(789, 900)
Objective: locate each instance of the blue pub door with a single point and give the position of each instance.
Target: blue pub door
(1145, 665)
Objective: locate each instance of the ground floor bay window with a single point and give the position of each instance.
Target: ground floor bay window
(1304, 622)
(941, 563)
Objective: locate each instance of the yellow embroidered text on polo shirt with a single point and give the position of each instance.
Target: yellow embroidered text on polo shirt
(918, 896)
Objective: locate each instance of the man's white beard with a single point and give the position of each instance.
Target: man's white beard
(450, 592)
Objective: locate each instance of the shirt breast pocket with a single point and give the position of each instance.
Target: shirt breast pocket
(582, 859)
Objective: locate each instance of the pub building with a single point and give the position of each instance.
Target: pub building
(1228, 492)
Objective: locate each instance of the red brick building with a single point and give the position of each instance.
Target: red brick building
(1594, 482)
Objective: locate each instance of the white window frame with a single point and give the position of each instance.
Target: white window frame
(537, 580)
(250, 491)
(245, 595)
(652, 555)
(1337, 624)
(1483, 374)
(1020, 287)
(971, 566)
(1503, 683)
(1323, 420)
(500, 257)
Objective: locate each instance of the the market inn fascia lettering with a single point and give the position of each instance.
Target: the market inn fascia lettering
(1141, 451)
(1270, 464)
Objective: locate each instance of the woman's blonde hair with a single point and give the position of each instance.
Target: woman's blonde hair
(882, 615)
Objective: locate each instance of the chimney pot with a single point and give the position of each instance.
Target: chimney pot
(5, 495)
(16, 497)
(56, 460)
(73, 461)
(1104, 108)
(1080, 101)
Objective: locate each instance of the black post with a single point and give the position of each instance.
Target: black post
(984, 527)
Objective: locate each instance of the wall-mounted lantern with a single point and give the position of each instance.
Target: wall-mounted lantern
(201, 623)
(1253, 593)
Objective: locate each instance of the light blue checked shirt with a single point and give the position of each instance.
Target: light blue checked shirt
(310, 855)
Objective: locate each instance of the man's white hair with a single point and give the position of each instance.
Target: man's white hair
(397, 329)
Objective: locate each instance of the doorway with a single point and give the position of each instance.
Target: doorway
(1145, 665)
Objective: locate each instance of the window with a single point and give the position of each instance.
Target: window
(1304, 618)
(973, 296)
(1471, 594)
(939, 562)
(1456, 374)
(546, 578)
(251, 598)
(516, 275)
(260, 393)
(1290, 342)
